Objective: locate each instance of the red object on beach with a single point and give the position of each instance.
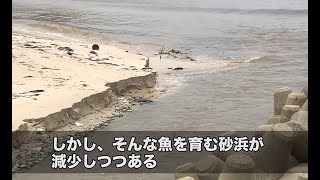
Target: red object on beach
(95, 47)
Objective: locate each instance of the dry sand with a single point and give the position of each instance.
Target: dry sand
(48, 79)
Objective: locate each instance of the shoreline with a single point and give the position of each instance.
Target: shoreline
(42, 80)
(39, 59)
(92, 112)
(107, 98)
(131, 84)
(162, 66)
(290, 114)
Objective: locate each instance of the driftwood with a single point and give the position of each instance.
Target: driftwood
(174, 53)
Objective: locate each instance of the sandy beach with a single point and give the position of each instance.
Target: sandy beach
(57, 82)
(66, 86)
(209, 67)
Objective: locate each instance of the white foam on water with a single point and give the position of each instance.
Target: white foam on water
(30, 27)
(254, 59)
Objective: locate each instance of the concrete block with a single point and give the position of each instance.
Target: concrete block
(280, 99)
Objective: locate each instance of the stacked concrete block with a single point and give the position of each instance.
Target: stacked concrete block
(305, 90)
(285, 141)
(292, 162)
(296, 98)
(300, 146)
(238, 167)
(275, 119)
(185, 170)
(300, 168)
(301, 117)
(209, 168)
(274, 156)
(296, 171)
(280, 99)
(262, 129)
(223, 155)
(305, 106)
(287, 111)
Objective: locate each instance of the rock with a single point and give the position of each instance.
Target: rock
(305, 106)
(296, 98)
(238, 167)
(280, 99)
(288, 111)
(305, 90)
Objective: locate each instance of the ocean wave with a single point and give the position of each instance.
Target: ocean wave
(232, 59)
(58, 35)
(262, 11)
(236, 10)
(254, 59)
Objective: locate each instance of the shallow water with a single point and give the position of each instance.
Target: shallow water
(273, 33)
(227, 100)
